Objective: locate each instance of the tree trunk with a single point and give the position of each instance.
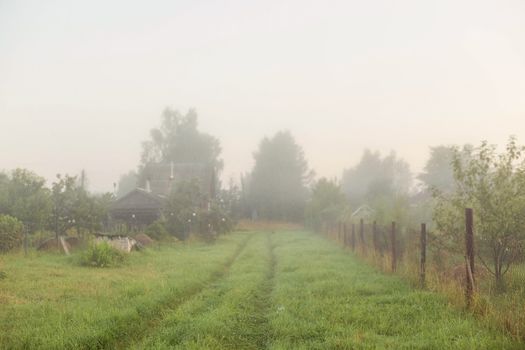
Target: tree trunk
(500, 283)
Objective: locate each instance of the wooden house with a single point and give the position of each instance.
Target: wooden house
(145, 204)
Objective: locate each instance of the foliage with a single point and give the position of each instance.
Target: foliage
(127, 183)
(494, 186)
(157, 230)
(102, 255)
(66, 205)
(375, 177)
(4, 193)
(74, 207)
(26, 198)
(11, 234)
(63, 195)
(231, 199)
(438, 172)
(178, 140)
(279, 179)
(382, 183)
(326, 204)
(188, 209)
(89, 212)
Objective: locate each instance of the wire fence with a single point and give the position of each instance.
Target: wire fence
(416, 255)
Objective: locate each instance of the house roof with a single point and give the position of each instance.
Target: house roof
(363, 211)
(139, 199)
(161, 178)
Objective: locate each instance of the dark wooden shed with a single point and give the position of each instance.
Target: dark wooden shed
(138, 208)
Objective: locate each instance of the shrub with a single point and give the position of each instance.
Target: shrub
(157, 230)
(10, 233)
(102, 255)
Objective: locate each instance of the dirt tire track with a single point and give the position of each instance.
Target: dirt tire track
(148, 325)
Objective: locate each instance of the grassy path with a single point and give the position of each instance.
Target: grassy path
(283, 290)
(177, 300)
(326, 299)
(231, 314)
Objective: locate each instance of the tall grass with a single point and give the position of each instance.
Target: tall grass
(49, 302)
(445, 273)
(340, 302)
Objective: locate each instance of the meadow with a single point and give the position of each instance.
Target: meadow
(248, 290)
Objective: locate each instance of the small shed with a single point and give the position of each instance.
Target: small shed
(363, 212)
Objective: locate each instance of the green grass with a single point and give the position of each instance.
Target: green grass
(284, 290)
(50, 302)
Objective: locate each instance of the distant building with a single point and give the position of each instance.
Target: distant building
(145, 204)
(363, 212)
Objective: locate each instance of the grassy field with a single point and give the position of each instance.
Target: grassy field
(282, 290)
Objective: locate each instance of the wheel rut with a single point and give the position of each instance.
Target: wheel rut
(148, 325)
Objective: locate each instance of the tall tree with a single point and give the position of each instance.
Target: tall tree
(4, 192)
(127, 183)
(438, 174)
(375, 177)
(179, 140)
(326, 203)
(28, 199)
(64, 195)
(279, 179)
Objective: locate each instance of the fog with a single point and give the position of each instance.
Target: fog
(82, 83)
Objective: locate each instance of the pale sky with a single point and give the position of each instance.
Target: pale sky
(83, 82)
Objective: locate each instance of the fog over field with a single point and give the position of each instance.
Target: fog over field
(81, 83)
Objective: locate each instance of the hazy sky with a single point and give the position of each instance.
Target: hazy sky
(82, 82)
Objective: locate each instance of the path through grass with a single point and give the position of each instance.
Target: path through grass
(283, 290)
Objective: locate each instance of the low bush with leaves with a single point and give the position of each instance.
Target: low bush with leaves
(102, 255)
(157, 230)
(10, 233)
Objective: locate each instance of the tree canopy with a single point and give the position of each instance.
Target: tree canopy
(326, 203)
(375, 176)
(494, 186)
(179, 140)
(279, 179)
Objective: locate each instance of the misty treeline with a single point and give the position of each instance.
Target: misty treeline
(282, 186)
(492, 183)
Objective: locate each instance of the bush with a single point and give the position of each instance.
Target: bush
(157, 230)
(10, 233)
(102, 255)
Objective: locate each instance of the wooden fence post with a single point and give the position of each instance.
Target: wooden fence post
(345, 235)
(423, 254)
(393, 239)
(374, 236)
(353, 237)
(469, 255)
(362, 234)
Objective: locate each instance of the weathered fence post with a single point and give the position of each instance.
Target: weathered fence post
(339, 232)
(26, 240)
(353, 237)
(469, 255)
(423, 254)
(345, 235)
(362, 234)
(374, 236)
(393, 239)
